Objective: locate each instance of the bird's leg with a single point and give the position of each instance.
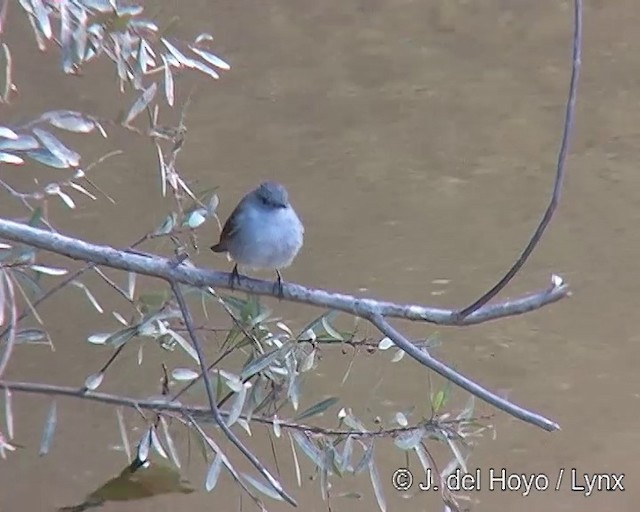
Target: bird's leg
(234, 275)
(278, 285)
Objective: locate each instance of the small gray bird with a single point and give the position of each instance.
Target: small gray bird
(262, 232)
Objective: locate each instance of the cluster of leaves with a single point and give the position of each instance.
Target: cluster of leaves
(86, 29)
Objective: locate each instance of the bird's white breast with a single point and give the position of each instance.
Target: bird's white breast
(268, 238)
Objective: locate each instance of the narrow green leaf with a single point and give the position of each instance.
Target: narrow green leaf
(317, 408)
(213, 473)
(366, 458)
(263, 361)
(238, 403)
(377, 486)
(309, 449)
(265, 488)
(49, 429)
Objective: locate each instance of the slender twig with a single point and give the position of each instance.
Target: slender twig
(6, 283)
(62, 284)
(458, 379)
(214, 446)
(186, 314)
(560, 166)
(201, 411)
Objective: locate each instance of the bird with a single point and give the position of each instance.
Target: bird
(262, 232)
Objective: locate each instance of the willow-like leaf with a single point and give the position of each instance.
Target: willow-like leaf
(277, 427)
(50, 271)
(213, 473)
(423, 457)
(92, 382)
(309, 449)
(167, 225)
(22, 142)
(314, 324)
(458, 454)
(366, 459)
(99, 338)
(82, 190)
(144, 445)
(123, 433)
(233, 381)
(141, 103)
(49, 429)
(264, 361)
(210, 58)
(263, 487)
(57, 148)
(32, 335)
(398, 356)
(352, 422)
(178, 55)
(467, 411)
(295, 461)
(401, 419)
(173, 452)
(182, 374)
(8, 158)
(186, 346)
(168, 82)
(347, 452)
(8, 133)
(195, 218)
(157, 445)
(203, 68)
(42, 18)
(377, 486)
(46, 157)
(8, 412)
(385, 343)
(131, 284)
(119, 338)
(70, 120)
(9, 87)
(238, 403)
(410, 439)
(317, 408)
(326, 324)
(89, 295)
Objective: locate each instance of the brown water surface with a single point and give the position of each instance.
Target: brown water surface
(418, 143)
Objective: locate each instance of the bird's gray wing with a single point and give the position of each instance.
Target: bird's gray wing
(229, 229)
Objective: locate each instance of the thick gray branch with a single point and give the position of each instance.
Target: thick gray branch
(163, 268)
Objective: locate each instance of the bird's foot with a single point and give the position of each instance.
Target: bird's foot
(277, 286)
(234, 276)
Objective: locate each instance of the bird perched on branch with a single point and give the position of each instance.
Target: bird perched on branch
(262, 232)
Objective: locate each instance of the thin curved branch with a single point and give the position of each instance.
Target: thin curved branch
(430, 362)
(560, 166)
(186, 314)
(164, 268)
(5, 284)
(200, 411)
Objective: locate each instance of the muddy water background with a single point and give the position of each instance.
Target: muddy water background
(418, 141)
